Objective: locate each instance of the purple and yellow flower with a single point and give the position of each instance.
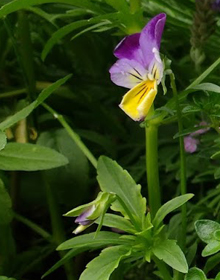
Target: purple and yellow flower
(139, 68)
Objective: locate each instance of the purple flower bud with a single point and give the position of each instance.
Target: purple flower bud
(202, 130)
(216, 5)
(82, 219)
(190, 144)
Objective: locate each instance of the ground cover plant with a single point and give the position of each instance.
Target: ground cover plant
(109, 139)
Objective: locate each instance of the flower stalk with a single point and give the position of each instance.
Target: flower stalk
(154, 196)
(182, 163)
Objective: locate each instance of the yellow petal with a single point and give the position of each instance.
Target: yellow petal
(136, 102)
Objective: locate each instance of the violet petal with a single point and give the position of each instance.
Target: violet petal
(151, 36)
(127, 73)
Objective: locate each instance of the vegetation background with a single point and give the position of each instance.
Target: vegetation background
(43, 41)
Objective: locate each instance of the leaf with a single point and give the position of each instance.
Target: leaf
(212, 262)
(63, 31)
(28, 109)
(90, 241)
(112, 178)
(5, 205)
(16, 5)
(195, 274)
(118, 222)
(171, 254)
(169, 207)
(102, 266)
(72, 253)
(205, 229)
(216, 156)
(207, 87)
(29, 157)
(190, 130)
(217, 276)
(6, 278)
(3, 140)
(204, 74)
(211, 248)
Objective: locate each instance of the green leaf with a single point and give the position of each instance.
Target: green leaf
(3, 140)
(17, 5)
(189, 130)
(212, 262)
(91, 241)
(169, 207)
(170, 253)
(217, 276)
(63, 31)
(28, 109)
(205, 229)
(211, 248)
(29, 157)
(102, 266)
(195, 274)
(204, 74)
(118, 222)
(6, 278)
(69, 255)
(5, 205)
(112, 178)
(216, 156)
(207, 87)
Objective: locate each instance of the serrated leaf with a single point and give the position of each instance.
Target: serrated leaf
(5, 205)
(28, 109)
(91, 241)
(29, 157)
(169, 207)
(171, 254)
(205, 229)
(118, 222)
(102, 266)
(211, 248)
(112, 178)
(195, 274)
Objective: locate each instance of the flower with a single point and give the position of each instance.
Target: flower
(216, 5)
(88, 213)
(190, 144)
(139, 67)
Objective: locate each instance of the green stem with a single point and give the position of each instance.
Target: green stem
(57, 226)
(34, 227)
(13, 93)
(182, 163)
(73, 135)
(162, 268)
(154, 196)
